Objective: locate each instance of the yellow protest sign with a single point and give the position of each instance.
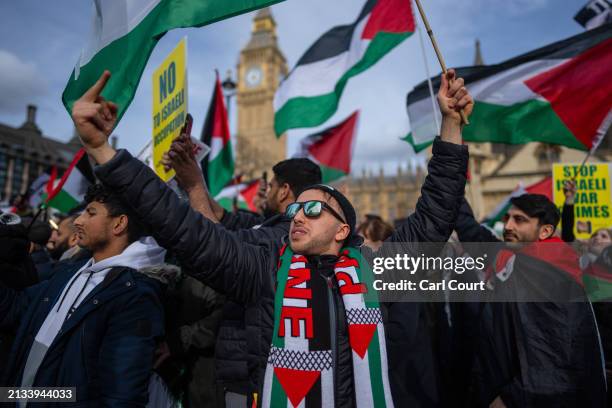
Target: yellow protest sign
(169, 104)
(592, 207)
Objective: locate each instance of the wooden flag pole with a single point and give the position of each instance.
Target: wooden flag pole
(584, 162)
(464, 118)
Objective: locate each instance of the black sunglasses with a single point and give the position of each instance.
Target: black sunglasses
(312, 209)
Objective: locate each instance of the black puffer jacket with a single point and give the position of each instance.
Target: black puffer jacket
(534, 354)
(247, 272)
(232, 348)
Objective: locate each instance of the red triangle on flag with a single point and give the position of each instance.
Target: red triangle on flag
(333, 147)
(544, 187)
(390, 16)
(583, 78)
(360, 336)
(249, 193)
(296, 383)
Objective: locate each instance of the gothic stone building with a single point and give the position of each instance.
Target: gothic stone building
(25, 153)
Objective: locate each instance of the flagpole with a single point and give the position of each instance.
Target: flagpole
(586, 158)
(427, 72)
(464, 118)
(40, 210)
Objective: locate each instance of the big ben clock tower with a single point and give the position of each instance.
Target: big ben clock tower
(260, 70)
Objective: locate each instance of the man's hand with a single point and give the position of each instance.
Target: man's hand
(181, 158)
(94, 119)
(569, 190)
(452, 98)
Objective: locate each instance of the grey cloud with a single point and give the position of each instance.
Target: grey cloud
(21, 83)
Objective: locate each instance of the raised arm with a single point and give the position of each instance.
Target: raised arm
(220, 259)
(190, 178)
(468, 229)
(436, 209)
(567, 214)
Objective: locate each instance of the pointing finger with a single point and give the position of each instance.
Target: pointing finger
(93, 92)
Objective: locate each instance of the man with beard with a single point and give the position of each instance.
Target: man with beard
(538, 344)
(63, 243)
(92, 325)
(63, 238)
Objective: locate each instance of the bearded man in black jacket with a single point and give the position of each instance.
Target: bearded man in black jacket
(324, 344)
(538, 344)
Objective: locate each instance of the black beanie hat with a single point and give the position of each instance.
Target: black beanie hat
(345, 204)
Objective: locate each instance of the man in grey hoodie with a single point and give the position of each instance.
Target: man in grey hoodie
(93, 325)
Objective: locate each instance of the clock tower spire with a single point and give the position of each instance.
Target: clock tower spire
(260, 70)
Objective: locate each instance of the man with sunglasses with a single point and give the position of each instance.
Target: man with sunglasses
(324, 345)
(240, 323)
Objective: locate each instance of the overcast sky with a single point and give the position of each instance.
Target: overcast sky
(40, 42)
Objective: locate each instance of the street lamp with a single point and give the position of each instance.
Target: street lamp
(229, 88)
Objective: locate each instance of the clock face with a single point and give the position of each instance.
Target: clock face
(253, 77)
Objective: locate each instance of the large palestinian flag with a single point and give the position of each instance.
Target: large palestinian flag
(310, 94)
(332, 148)
(68, 192)
(560, 94)
(218, 166)
(124, 33)
(543, 187)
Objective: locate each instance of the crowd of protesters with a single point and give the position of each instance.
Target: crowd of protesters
(140, 298)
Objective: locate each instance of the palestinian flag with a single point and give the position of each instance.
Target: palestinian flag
(68, 192)
(544, 187)
(241, 195)
(332, 148)
(594, 14)
(310, 94)
(560, 94)
(40, 188)
(218, 166)
(124, 34)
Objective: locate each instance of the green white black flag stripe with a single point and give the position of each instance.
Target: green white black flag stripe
(558, 94)
(311, 93)
(124, 33)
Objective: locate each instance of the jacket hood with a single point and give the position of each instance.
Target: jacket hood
(138, 255)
